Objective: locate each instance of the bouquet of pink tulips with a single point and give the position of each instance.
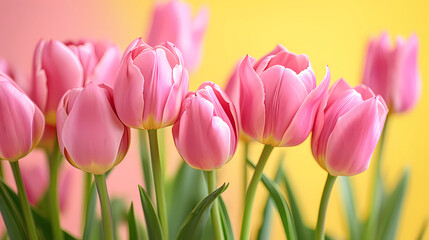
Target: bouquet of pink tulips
(86, 96)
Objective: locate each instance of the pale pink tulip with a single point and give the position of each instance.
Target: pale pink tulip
(206, 133)
(90, 135)
(58, 67)
(21, 121)
(393, 72)
(347, 128)
(279, 98)
(172, 21)
(16, 76)
(151, 85)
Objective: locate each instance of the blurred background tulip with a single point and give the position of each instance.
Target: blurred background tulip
(151, 85)
(279, 97)
(90, 135)
(172, 21)
(347, 129)
(393, 71)
(21, 121)
(206, 133)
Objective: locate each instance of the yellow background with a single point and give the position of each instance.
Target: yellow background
(333, 33)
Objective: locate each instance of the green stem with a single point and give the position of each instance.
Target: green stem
(26, 209)
(145, 162)
(320, 229)
(87, 182)
(211, 184)
(377, 190)
(246, 156)
(158, 180)
(106, 211)
(54, 209)
(251, 191)
(1, 170)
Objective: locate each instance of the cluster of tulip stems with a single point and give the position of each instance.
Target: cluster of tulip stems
(85, 96)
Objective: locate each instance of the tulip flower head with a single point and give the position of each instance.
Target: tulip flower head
(206, 133)
(279, 98)
(347, 129)
(21, 121)
(394, 73)
(90, 134)
(151, 85)
(172, 21)
(58, 67)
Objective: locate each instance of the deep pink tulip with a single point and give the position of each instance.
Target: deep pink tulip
(347, 128)
(21, 121)
(394, 73)
(206, 133)
(279, 98)
(90, 134)
(172, 21)
(58, 67)
(151, 85)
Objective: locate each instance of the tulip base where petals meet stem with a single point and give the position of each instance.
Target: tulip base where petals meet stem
(158, 180)
(217, 227)
(26, 209)
(106, 211)
(251, 191)
(320, 228)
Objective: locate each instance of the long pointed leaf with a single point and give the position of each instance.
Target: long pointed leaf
(282, 206)
(422, 230)
(194, 224)
(392, 208)
(153, 225)
(12, 216)
(132, 226)
(350, 208)
(228, 232)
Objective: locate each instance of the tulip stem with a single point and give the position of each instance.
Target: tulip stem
(54, 213)
(211, 184)
(158, 180)
(26, 209)
(145, 162)
(320, 228)
(377, 190)
(251, 191)
(106, 211)
(246, 156)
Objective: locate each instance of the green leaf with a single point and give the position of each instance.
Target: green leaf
(265, 229)
(228, 232)
(296, 213)
(194, 224)
(153, 225)
(119, 213)
(186, 190)
(12, 215)
(311, 234)
(132, 226)
(42, 223)
(391, 208)
(422, 230)
(282, 206)
(350, 208)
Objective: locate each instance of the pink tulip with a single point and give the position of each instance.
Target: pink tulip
(35, 175)
(58, 67)
(21, 121)
(279, 98)
(394, 73)
(90, 135)
(347, 128)
(206, 133)
(5, 68)
(172, 21)
(15, 75)
(151, 85)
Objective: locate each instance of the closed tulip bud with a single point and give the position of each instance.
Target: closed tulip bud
(394, 73)
(151, 85)
(90, 134)
(348, 126)
(58, 67)
(21, 121)
(172, 21)
(206, 133)
(279, 98)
